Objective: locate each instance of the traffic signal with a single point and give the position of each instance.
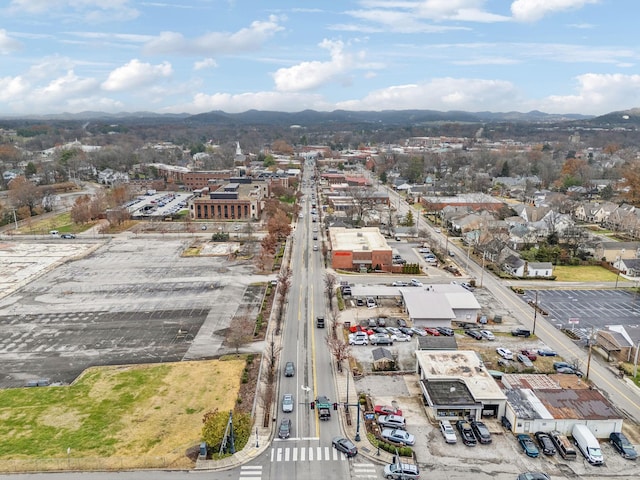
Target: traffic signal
(313, 405)
(335, 406)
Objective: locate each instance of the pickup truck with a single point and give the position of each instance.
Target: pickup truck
(323, 405)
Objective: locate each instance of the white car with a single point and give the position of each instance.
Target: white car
(505, 353)
(400, 337)
(448, 432)
(358, 339)
(424, 250)
(415, 283)
(438, 230)
(399, 284)
(287, 403)
(371, 303)
(488, 334)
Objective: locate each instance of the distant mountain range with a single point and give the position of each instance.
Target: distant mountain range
(308, 118)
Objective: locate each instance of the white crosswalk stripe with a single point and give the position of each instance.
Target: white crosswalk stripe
(251, 472)
(306, 454)
(364, 470)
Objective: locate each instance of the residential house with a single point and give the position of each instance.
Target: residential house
(523, 269)
(612, 251)
(629, 267)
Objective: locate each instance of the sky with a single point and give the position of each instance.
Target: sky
(194, 56)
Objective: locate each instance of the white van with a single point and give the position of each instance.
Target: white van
(54, 233)
(588, 444)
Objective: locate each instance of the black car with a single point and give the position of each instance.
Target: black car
(481, 431)
(545, 442)
(68, 235)
(407, 331)
(285, 428)
(474, 334)
(446, 331)
(466, 433)
(521, 332)
(401, 323)
(345, 446)
(623, 445)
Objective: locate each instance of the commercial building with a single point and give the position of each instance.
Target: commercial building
(359, 249)
(455, 384)
(239, 200)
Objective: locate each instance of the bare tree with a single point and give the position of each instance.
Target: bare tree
(330, 282)
(340, 350)
(334, 318)
(241, 333)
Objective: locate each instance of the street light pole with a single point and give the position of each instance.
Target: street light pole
(635, 362)
(535, 314)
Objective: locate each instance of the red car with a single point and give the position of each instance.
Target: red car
(358, 328)
(387, 410)
(529, 354)
(432, 331)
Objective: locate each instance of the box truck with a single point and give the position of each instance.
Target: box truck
(588, 444)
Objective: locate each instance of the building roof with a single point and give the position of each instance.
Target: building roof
(421, 303)
(449, 392)
(464, 365)
(361, 239)
(577, 403)
(381, 354)
(441, 342)
(541, 265)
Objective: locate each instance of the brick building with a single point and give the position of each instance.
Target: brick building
(356, 248)
(238, 200)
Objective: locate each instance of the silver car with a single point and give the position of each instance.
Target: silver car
(287, 403)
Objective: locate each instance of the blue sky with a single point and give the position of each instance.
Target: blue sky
(173, 56)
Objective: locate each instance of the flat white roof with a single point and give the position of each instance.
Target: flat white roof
(357, 239)
(464, 365)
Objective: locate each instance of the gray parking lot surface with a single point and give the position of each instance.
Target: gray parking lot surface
(133, 300)
(589, 308)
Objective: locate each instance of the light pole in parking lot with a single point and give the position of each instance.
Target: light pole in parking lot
(535, 314)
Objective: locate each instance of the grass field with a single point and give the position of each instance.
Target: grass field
(125, 415)
(583, 274)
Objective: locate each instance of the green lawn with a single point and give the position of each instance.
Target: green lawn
(583, 274)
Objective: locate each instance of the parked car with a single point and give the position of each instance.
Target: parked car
(400, 284)
(488, 334)
(358, 338)
(289, 369)
(432, 331)
(546, 444)
(545, 352)
(371, 303)
(533, 476)
(398, 436)
(528, 446)
(392, 421)
(359, 302)
(401, 323)
(467, 286)
(380, 339)
(419, 331)
(473, 333)
(415, 283)
(404, 471)
(387, 410)
(446, 331)
(481, 431)
(284, 431)
(505, 353)
(623, 445)
(521, 332)
(407, 331)
(529, 354)
(525, 360)
(400, 337)
(466, 433)
(448, 432)
(345, 446)
(287, 403)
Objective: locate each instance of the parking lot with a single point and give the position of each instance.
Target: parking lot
(588, 308)
(130, 300)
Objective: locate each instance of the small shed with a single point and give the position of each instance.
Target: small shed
(383, 359)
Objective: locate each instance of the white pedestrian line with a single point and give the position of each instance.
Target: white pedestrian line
(364, 470)
(251, 472)
(310, 454)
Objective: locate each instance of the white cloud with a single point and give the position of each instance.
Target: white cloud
(441, 94)
(597, 94)
(245, 39)
(12, 87)
(92, 11)
(308, 75)
(136, 74)
(206, 63)
(534, 10)
(8, 44)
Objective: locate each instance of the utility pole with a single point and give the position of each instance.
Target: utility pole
(589, 357)
(535, 314)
